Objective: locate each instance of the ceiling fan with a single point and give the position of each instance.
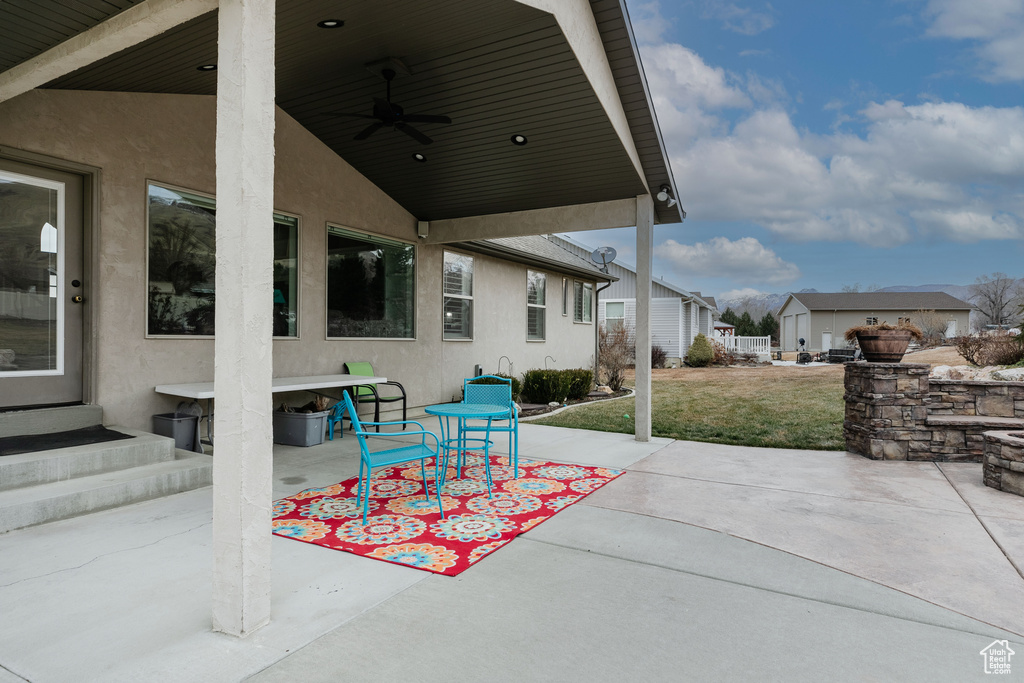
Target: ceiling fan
(388, 113)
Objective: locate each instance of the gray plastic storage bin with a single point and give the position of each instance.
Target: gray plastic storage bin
(300, 429)
(181, 428)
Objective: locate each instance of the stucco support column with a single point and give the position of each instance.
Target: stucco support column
(644, 266)
(243, 462)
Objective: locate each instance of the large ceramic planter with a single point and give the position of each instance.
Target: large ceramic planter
(883, 346)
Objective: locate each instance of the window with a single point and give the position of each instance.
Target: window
(584, 295)
(182, 265)
(458, 296)
(872, 321)
(536, 284)
(370, 285)
(565, 296)
(614, 314)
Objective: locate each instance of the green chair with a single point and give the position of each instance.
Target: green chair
(367, 393)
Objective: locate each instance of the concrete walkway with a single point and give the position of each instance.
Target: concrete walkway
(702, 562)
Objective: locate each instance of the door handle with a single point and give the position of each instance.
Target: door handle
(77, 299)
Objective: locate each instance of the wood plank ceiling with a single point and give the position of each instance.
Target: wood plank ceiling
(496, 67)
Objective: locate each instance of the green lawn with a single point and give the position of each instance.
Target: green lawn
(772, 407)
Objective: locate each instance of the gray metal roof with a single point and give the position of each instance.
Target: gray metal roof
(701, 301)
(535, 250)
(879, 301)
(496, 68)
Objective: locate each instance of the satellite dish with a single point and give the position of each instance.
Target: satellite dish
(602, 256)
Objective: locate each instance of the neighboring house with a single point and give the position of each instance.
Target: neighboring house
(821, 319)
(677, 316)
(167, 165)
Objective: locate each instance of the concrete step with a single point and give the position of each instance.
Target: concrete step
(43, 467)
(48, 420)
(31, 505)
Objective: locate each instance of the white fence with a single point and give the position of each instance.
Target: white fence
(745, 344)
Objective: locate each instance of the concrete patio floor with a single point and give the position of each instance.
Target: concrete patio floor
(702, 562)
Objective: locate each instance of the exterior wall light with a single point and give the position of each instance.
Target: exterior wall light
(519, 140)
(419, 157)
(330, 23)
(665, 195)
(207, 67)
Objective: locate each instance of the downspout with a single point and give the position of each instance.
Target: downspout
(597, 331)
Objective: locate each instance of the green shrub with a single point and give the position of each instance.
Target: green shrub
(700, 353)
(579, 381)
(516, 384)
(545, 386)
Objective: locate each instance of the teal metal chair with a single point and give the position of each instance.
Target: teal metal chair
(367, 393)
(496, 391)
(337, 413)
(393, 456)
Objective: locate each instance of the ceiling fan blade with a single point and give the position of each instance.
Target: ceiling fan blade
(351, 114)
(368, 131)
(426, 118)
(413, 133)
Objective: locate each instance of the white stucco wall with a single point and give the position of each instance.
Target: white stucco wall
(133, 137)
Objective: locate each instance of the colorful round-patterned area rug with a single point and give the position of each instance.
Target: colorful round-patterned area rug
(405, 527)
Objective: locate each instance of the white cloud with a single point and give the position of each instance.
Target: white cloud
(741, 294)
(743, 260)
(925, 171)
(915, 165)
(996, 26)
(739, 19)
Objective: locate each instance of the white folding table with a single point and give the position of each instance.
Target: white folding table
(204, 390)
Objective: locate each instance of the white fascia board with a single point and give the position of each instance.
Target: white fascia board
(131, 27)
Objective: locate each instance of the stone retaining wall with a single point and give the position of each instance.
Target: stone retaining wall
(894, 411)
(976, 397)
(1004, 461)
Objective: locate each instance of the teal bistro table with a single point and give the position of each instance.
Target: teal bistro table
(458, 441)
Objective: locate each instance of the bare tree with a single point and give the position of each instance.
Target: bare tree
(998, 299)
(933, 326)
(855, 288)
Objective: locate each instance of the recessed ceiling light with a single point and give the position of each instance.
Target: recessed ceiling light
(330, 23)
(519, 140)
(207, 67)
(419, 157)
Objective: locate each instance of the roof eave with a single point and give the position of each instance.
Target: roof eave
(509, 254)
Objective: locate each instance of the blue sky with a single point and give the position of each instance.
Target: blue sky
(822, 144)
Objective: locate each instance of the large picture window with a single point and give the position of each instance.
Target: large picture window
(458, 296)
(182, 259)
(370, 286)
(536, 285)
(583, 302)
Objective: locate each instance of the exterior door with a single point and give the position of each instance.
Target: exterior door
(40, 286)
(826, 341)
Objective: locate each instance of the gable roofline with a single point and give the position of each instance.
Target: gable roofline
(632, 269)
(877, 301)
(520, 250)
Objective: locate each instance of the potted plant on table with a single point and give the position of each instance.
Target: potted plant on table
(883, 343)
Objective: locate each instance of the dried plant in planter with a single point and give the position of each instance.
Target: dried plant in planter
(914, 330)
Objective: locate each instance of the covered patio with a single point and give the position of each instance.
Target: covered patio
(695, 547)
(552, 130)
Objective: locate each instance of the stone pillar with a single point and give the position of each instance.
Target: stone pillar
(243, 464)
(1004, 461)
(886, 410)
(644, 268)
